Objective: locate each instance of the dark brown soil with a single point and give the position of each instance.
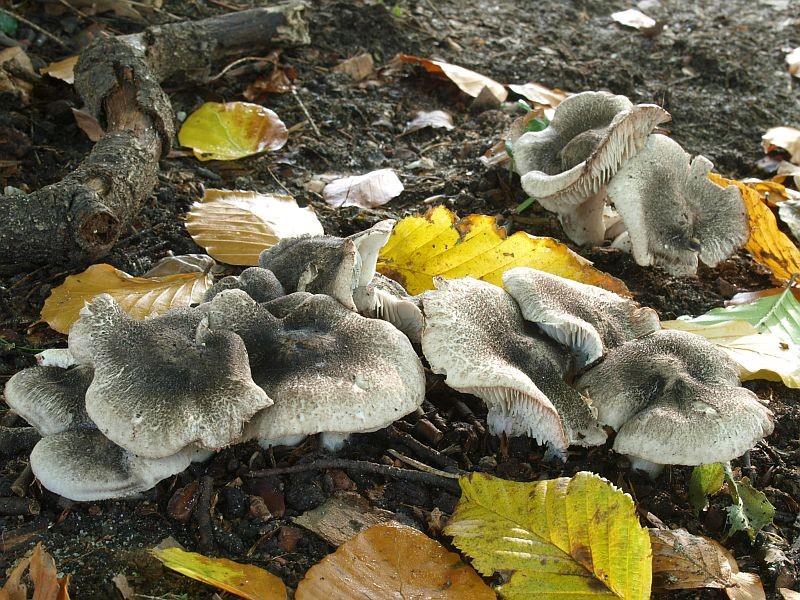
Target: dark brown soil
(717, 67)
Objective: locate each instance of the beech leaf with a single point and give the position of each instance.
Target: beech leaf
(140, 297)
(437, 119)
(245, 581)
(469, 82)
(367, 191)
(236, 226)
(342, 516)
(561, 538)
(767, 244)
(758, 355)
(358, 67)
(232, 130)
(706, 480)
(785, 138)
(682, 561)
(62, 69)
(539, 94)
(41, 572)
(438, 244)
(390, 561)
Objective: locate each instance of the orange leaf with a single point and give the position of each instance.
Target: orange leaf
(469, 82)
(42, 573)
(245, 581)
(138, 296)
(392, 561)
(767, 244)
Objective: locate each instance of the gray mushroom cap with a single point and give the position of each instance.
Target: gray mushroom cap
(674, 398)
(585, 318)
(327, 265)
(84, 465)
(158, 388)
(330, 370)
(590, 136)
(475, 335)
(673, 212)
(260, 284)
(386, 299)
(51, 399)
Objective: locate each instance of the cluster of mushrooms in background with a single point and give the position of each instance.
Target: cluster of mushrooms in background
(314, 341)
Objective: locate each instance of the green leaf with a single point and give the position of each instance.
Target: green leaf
(752, 511)
(8, 24)
(706, 480)
(537, 124)
(778, 314)
(562, 538)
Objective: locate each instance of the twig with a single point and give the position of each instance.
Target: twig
(34, 26)
(361, 466)
(283, 187)
(22, 482)
(15, 506)
(421, 466)
(202, 514)
(467, 413)
(305, 112)
(421, 449)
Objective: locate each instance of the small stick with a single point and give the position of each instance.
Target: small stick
(15, 506)
(202, 514)
(361, 466)
(305, 112)
(467, 413)
(34, 26)
(432, 413)
(421, 449)
(421, 466)
(22, 482)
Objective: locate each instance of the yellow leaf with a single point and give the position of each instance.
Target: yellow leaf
(62, 69)
(562, 538)
(390, 561)
(469, 82)
(140, 297)
(758, 355)
(768, 245)
(245, 581)
(232, 130)
(422, 247)
(235, 226)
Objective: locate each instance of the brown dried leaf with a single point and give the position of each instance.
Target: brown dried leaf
(789, 594)
(184, 263)
(683, 561)
(342, 516)
(367, 191)
(392, 561)
(438, 119)
(767, 244)
(358, 67)
(88, 124)
(43, 575)
(140, 297)
(62, 69)
(469, 82)
(279, 81)
(786, 138)
(13, 62)
(539, 94)
(235, 226)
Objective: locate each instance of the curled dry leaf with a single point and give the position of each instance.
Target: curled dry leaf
(788, 594)
(469, 82)
(392, 561)
(367, 191)
(358, 67)
(787, 169)
(438, 119)
(561, 538)
(682, 561)
(342, 516)
(88, 124)
(41, 572)
(438, 244)
(232, 130)
(140, 297)
(245, 581)
(539, 94)
(768, 245)
(184, 263)
(62, 69)
(793, 60)
(633, 18)
(235, 226)
(786, 138)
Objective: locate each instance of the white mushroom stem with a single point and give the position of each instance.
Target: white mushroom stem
(651, 469)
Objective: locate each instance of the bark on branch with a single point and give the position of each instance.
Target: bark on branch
(79, 218)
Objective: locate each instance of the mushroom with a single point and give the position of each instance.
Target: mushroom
(586, 319)
(51, 399)
(475, 335)
(159, 386)
(84, 465)
(674, 398)
(673, 212)
(386, 299)
(329, 370)
(326, 264)
(260, 284)
(566, 165)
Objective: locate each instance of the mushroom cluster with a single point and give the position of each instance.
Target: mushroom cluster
(313, 341)
(600, 167)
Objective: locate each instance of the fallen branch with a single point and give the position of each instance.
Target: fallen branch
(79, 218)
